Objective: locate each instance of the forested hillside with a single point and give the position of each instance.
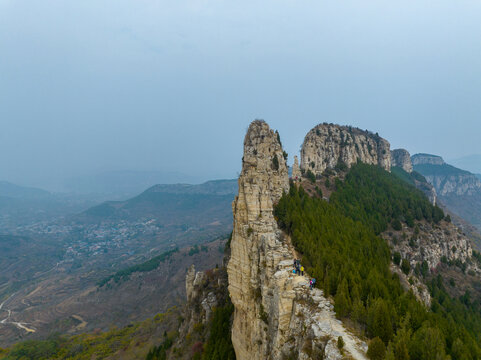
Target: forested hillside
(341, 248)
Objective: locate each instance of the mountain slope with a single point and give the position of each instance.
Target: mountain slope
(8, 189)
(458, 189)
(181, 204)
(76, 302)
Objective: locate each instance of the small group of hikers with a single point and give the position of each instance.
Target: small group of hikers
(299, 270)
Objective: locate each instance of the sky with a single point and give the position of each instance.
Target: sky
(103, 85)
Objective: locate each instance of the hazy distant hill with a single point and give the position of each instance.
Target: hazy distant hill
(213, 187)
(125, 182)
(471, 163)
(20, 205)
(182, 204)
(7, 189)
(458, 189)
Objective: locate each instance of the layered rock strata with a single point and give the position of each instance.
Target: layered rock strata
(328, 145)
(446, 179)
(402, 159)
(427, 159)
(276, 316)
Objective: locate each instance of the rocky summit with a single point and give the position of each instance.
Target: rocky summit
(402, 159)
(276, 315)
(328, 145)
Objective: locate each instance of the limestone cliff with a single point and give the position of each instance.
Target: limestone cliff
(327, 144)
(446, 179)
(423, 159)
(402, 159)
(428, 190)
(296, 171)
(275, 316)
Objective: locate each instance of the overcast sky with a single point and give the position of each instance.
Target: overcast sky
(99, 85)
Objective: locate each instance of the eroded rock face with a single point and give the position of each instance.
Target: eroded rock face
(296, 171)
(427, 159)
(256, 248)
(457, 184)
(431, 243)
(189, 283)
(276, 315)
(446, 179)
(402, 159)
(327, 144)
(428, 190)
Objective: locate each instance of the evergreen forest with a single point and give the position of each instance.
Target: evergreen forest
(342, 248)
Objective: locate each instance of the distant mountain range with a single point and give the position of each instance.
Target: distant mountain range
(125, 182)
(471, 163)
(7, 189)
(458, 189)
(191, 205)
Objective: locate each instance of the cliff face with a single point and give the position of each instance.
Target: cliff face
(402, 159)
(428, 190)
(458, 189)
(275, 316)
(446, 179)
(423, 159)
(455, 184)
(327, 144)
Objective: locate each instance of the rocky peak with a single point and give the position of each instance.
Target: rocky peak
(401, 158)
(425, 159)
(264, 169)
(276, 316)
(327, 144)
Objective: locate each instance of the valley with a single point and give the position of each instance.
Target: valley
(50, 268)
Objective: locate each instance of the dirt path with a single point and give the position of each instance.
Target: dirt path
(6, 321)
(82, 324)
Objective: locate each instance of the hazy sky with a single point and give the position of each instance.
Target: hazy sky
(94, 85)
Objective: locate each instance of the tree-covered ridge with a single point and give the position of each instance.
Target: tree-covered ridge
(410, 178)
(342, 251)
(376, 198)
(440, 170)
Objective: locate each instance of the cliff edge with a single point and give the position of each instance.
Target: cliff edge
(276, 316)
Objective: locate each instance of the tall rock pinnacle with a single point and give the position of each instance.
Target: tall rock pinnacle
(263, 179)
(276, 316)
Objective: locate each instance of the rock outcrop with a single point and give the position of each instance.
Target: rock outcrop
(296, 171)
(327, 145)
(276, 316)
(455, 184)
(457, 189)
(425, 159)
(445, 178)
(432, 243)
(428, 190)
(189, 283)
(402, 159)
